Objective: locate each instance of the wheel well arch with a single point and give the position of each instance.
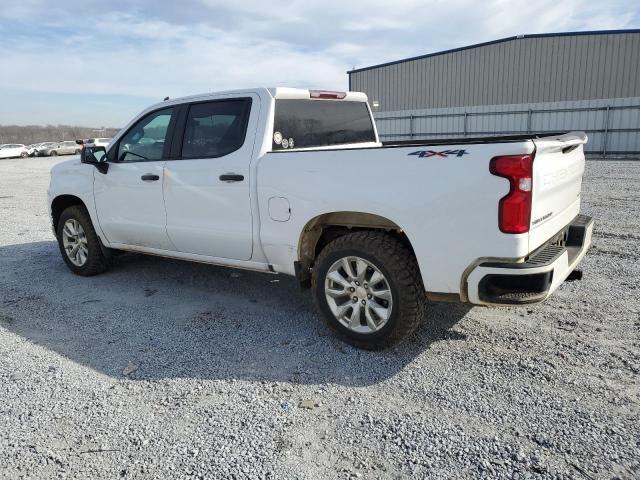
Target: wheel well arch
(322, 229)
(59, 204)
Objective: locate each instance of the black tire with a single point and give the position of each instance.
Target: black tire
(96, 261)
(399, 266)
(53, 153)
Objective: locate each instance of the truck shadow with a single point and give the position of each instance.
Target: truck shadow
(151, 318)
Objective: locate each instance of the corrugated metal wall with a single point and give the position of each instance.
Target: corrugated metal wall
(613, 125)
(530, 69)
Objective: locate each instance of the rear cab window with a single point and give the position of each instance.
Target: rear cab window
(300, 123)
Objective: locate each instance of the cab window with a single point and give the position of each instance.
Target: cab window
(320, 123)
(214, 129)
(146, 139)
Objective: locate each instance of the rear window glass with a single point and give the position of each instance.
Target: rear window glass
(318, 123)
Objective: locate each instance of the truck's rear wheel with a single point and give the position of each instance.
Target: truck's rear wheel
(79, 244)
(368, 288)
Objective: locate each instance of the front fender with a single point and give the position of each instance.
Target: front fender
(74, 179)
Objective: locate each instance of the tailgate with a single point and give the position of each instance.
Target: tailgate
(557, 180)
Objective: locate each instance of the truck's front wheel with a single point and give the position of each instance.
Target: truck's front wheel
(368, 287)
(79, 244)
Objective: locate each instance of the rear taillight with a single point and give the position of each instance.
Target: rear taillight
(514, 209)
(326, 94)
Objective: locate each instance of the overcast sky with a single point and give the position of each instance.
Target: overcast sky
(98, 63)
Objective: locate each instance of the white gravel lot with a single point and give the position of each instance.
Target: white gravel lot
(166, 369)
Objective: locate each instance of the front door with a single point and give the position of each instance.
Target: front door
(129, 197)
(207, 188)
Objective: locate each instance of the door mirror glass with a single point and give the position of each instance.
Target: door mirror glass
(96, 156)
(93, 155)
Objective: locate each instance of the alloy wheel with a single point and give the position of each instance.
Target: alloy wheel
(358, 294)
(74, 241)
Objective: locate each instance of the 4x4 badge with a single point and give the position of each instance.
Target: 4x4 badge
(443, 153)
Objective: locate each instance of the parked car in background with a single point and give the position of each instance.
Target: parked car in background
(62, 148)
(94, 142)
(33, 149)
(42, 146)
(11, 150)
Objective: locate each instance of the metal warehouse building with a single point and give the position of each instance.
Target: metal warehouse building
(530, 83)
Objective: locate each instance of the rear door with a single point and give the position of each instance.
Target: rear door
(207, 188)
(558, 168)
(128, 197)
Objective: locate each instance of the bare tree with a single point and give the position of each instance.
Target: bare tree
(50, 133)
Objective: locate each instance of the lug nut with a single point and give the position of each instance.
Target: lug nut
(364, 302)
(355, 299)
(366, 286)
(369, 296)
(351, 289)
(357, 284)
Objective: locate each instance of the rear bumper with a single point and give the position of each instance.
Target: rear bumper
(532, 280)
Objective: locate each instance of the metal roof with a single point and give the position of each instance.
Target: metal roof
(493, 42)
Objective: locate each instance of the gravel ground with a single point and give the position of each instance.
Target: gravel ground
(165, 369)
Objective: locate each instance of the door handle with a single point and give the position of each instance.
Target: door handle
(150, 177)
(231, 177)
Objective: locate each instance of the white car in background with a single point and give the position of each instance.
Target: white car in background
(11, 150)
(95, 142)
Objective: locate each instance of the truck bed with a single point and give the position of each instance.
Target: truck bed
(446, 201)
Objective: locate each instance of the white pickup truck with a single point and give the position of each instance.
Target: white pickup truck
(296, 181)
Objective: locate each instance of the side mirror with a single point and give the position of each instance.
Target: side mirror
(96, 156)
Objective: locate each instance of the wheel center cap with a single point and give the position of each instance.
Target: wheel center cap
(361, 292)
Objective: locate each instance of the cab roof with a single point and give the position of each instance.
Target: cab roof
(274, 92)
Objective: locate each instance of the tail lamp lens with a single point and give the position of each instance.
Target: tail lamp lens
(514, 209)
